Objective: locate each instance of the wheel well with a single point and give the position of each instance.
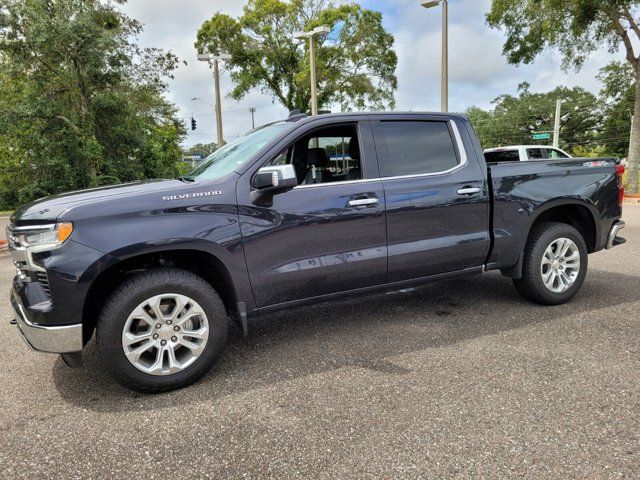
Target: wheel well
(203, 264)
(577, 216)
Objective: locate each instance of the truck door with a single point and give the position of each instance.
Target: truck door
(436, 196)
(327, 235)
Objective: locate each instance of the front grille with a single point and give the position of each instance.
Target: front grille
(44, 281)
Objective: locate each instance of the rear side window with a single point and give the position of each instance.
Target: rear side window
(415, 148)
(535, 154)
(502, 156)
(552, 153)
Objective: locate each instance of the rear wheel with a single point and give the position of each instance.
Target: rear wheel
(161, 330)
(554, 264)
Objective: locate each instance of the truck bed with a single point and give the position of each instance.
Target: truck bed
(523, 191)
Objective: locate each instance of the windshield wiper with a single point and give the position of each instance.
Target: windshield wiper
(186, 179)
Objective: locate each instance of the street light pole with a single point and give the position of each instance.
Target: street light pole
(321, 32)
(444, 102)
(205, 57)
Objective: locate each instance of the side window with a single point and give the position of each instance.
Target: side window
(329, 154)
(415, 148)
(337, 150)
(553, 153)
(499, 156)
(284, 158)
(535, 154)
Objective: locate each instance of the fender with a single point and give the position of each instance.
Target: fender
(559, 202)
(516, 270)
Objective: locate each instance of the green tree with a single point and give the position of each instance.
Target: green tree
(82, 104)
(355, 63)
(513, 119)
(202, 149)
(575, 28)
(618, 94)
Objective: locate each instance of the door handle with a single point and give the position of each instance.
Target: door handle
(363, 202)
(469, 191)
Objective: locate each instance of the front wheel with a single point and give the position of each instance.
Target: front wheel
(554, 264)
(161, 330)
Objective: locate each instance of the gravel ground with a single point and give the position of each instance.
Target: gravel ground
(458, 379)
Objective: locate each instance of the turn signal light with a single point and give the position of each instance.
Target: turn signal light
(64, 230)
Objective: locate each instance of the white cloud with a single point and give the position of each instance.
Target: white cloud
(478, 71)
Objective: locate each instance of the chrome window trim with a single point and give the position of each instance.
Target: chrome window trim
(344, 182)
(464, 159)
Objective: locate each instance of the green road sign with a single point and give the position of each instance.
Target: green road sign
(541, 136)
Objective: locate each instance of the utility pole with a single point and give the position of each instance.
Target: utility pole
(206, 57)
(216, 76)
(321, 31)
(253, 122)
(314, 78)
(556, 126)
(444, 102)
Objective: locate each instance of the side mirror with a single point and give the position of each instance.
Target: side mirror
(276, 178)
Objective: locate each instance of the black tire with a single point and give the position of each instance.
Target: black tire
(531, 284)
(127, 297)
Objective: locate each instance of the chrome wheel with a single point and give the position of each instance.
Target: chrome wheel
(560, 265)
(165, 334)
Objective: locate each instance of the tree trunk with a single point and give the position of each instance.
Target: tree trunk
(634, 148)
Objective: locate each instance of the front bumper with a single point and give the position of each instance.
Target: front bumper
(56, 339)
(612, 239)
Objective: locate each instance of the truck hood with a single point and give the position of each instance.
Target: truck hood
(48, 209)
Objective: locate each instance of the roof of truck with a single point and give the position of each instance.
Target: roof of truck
(516, 147)
(295, 116)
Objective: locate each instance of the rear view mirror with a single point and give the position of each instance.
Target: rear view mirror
(276, 178)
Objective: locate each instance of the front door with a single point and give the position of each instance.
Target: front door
(437, 200)
(325, 236)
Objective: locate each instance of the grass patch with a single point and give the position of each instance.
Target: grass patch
(5, 213)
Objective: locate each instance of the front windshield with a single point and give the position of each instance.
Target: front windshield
(235, 154)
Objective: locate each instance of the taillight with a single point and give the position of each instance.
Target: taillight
(619, 173)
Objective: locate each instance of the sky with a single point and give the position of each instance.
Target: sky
(478, 72)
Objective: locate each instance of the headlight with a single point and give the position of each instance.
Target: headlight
(41, 237)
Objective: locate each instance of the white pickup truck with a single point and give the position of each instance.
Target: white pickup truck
(523, 153)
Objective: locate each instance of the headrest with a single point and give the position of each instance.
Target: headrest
(317, 157)
(354, 148)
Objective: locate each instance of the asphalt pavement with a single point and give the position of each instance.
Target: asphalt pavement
(458, 379)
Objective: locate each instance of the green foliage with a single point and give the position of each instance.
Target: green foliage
(575, 28)
(80, 103)
(355, 63)
(202, 149)
(591, 151)
(618, 93)
(513, 119)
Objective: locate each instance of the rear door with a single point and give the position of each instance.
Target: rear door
(436, 196)
(327, 235)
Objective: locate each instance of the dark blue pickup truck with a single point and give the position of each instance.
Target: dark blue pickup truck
(306, 210)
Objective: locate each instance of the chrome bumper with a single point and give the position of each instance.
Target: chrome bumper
(613, 239)
(62, 339)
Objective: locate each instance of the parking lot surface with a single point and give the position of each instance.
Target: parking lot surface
(457, 379)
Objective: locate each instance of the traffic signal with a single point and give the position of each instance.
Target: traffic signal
(193, 123)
